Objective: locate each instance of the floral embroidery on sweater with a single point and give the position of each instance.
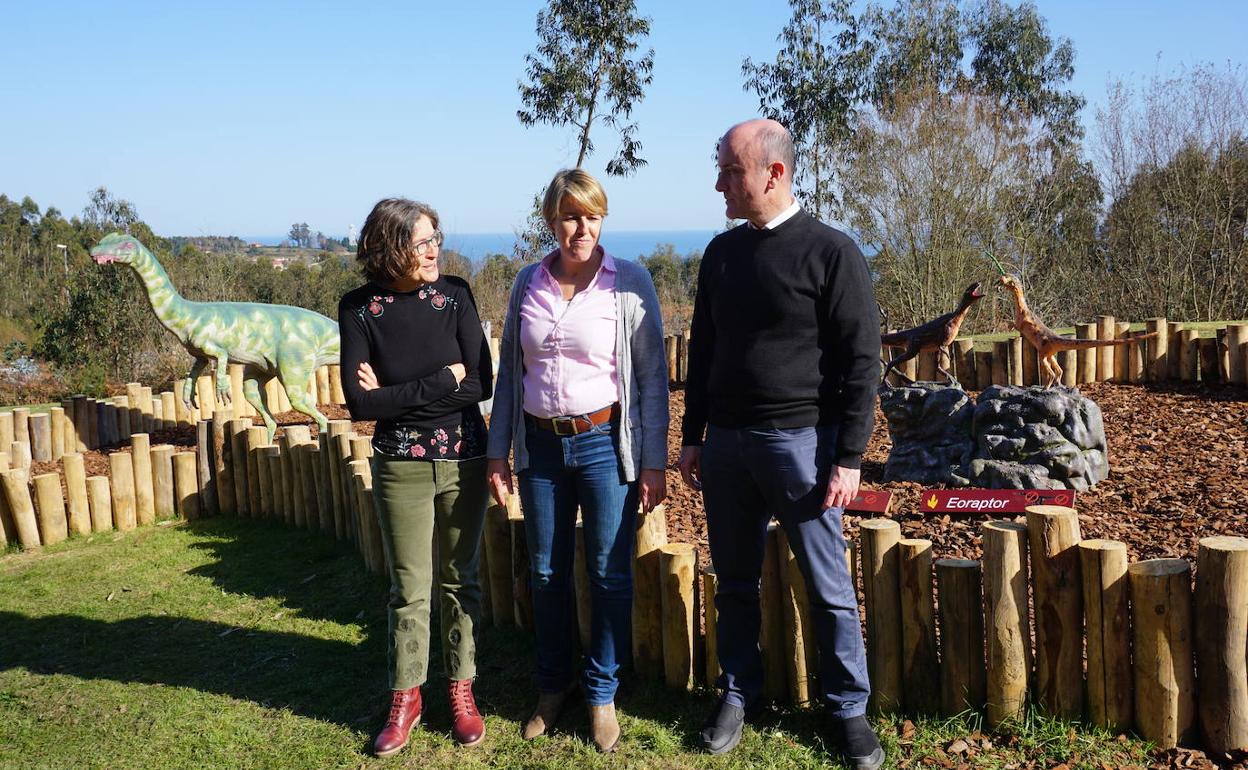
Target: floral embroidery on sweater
(437, 299)
(375, 306)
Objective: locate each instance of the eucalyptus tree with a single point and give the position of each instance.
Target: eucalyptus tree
(586, 69)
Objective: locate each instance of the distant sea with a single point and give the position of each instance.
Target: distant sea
(626, 244)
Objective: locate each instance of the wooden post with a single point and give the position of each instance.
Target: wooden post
(882, 599)
(983, 369)
(335, 384)
(256, 437)
(1209, 353)
(1165, 681)
(1237, 353)
(1087, 357)
(498, 543)
(237, 401)
(1005, 620)
(341, 444)
(77, 507)
(1110, 697)
(51, 508)
(265, 458)
(651, 533)
(1122, 355)
(1016, 361)
(1069, 361)
(8, 529)
(21, 507)
(368, 512)
(169, 409)
(1053, 534)
(223, 457)
(962, 673)
(801, 649)
(121, 478)
(57, 416)
(365, 509)
(299, 487)
(323, 396)
(20, 455)
(186, 487)
(678, 563)
(771, 605)
(910, 368)
(964, 360)
(1221, 636)
(144, 491)
(41, 437)
(238, 460)
(162, 481)
(710, 586)
(920, 670)
(583, 590)
(521, 586)
(1105, 357)
(277, 469)
(1001, 363)
(21, 424)
(82, 425)
(181, 413)
(669, 349)
(99, 499)
(927, 366)
(1189, 355)
(1137, 352)
(319, 505)
(6, 430)
(341, 517)
(1174, 354)
(1031, 364)
(324, 485)
(121, 407)
(205, 468)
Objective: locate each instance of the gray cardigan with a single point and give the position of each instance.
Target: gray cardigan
(642, 372)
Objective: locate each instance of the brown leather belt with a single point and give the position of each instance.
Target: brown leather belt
(575, 424)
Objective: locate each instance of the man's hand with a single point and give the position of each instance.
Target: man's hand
(498, 476)
(690, 465)
(842, 487)
(653, 488)
(459, 371)
(367, 377)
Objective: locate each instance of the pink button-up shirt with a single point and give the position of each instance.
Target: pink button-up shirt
(569, 345)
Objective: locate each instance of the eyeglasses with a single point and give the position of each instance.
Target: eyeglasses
(423, 248)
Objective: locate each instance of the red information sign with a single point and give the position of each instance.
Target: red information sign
(871, 501)
(991, 500)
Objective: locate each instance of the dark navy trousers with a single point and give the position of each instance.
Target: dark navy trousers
(749, 476)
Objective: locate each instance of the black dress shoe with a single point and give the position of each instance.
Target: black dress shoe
(722, 731)
(859, 743)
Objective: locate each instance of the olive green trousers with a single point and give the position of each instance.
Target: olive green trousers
(417, 499)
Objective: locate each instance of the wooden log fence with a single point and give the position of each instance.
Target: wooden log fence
(942, 635)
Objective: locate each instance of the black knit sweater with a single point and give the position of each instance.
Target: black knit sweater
(409, 338)
(785, 334)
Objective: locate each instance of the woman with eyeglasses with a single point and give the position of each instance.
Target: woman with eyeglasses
(419, 364)
(582, 405)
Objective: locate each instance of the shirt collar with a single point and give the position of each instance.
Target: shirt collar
(608, 262)
(780, 218)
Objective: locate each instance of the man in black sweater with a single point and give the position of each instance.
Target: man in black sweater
(783, 361)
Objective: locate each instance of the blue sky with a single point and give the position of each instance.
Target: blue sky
(241, 117)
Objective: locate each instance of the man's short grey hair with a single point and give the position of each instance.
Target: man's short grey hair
(775, 143)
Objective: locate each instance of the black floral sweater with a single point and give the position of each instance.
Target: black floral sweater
(409, 339)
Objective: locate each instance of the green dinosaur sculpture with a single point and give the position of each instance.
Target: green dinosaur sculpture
(268, 340)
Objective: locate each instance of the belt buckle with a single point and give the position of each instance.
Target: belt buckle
(556, 422)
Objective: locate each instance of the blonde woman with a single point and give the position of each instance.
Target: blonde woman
(582, 405)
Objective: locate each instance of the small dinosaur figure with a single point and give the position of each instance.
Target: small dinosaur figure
(1047, 342)
(938, 333)
(268, 340)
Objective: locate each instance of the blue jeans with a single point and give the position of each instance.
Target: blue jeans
(564, 473)
(749, 476)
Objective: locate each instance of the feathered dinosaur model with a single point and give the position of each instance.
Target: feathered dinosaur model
(1047, 342)
(268, 340)
(938, 334)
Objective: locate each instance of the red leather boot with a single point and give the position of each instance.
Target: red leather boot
(467, 726)
(405, 707)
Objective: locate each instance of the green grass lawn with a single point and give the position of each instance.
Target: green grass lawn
(228, 643)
